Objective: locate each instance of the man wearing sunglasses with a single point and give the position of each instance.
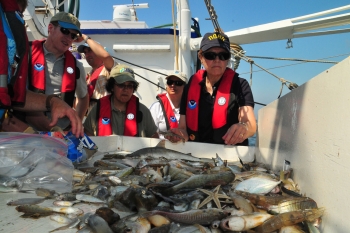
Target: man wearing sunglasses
(101, 63)
(166, 111)
(120, 113)
(53, 70)
(217, 105)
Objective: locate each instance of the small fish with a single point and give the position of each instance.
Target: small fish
(98, 224)
(171, 134)
(73, 224)
(88, 198)
(26, 201)
(34, 211)
(244, 222)
(257, 185)
(201, 216)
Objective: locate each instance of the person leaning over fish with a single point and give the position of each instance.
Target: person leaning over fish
(120, 113)
(22, 99)
(216, 105)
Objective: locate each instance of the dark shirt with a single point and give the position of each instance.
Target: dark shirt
(244, 97)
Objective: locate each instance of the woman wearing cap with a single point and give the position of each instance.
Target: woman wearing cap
(217, 105)
(120, 113)
(166, 111)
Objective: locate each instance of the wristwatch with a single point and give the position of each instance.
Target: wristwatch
(87, 37)
(48, 101)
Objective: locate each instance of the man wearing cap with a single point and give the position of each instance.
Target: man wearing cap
(101, 63)
(120, 113)
(166, 111)
(217, 105)
(53, 70)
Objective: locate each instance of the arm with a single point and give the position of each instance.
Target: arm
(59, 109)
(82, 105)
(237, 133)
(100, 52)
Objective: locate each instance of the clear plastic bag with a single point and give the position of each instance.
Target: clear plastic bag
(35, 161)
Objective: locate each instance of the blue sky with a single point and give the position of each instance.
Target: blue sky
(237, 14)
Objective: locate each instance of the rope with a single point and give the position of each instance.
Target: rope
(213, 16)
(175, 41)
(294, 59)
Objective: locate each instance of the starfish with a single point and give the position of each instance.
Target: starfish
(213, 196)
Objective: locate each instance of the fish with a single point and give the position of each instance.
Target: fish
(244, 222)
(73, 224)
(34, 211)
(289, 219)
(201, 216)
(171, 134)
(98, 224)
(197, 181)
(160, 151)
(26, 201)
(132, 224)
(257, 185)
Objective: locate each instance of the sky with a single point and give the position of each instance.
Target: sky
(238, 14)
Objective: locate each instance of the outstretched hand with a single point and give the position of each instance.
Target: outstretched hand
(237, 133)
(60, 109)
(176, 135)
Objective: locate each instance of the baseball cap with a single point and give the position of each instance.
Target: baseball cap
(215, 39)
(67, 20)
(178, 74)
(122, 74)
(83, 46)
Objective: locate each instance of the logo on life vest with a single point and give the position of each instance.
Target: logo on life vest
(173, 119)
(192, 104)
(70, 70)
(130, 116)
(105, 121)
(221, 101)
(38, 67)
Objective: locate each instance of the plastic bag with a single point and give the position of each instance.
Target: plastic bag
(35, 161)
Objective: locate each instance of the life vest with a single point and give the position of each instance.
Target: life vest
(170, 119)
(93, 79)
(13, 38)
(104, 117)
(220, 112)
(37, 71)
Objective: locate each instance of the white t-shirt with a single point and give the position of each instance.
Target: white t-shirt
(158, 115)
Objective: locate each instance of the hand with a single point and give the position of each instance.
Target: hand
(80, 39)
(235, 134)
(176, 135)
(5, 100)
(61, 109)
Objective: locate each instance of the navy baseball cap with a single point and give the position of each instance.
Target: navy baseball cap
(215, 39)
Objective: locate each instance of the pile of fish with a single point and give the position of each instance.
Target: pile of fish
(160, 190)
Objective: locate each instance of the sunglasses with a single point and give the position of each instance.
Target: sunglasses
(126, 87)
(66, 32)
(177, 83)
(223, 56)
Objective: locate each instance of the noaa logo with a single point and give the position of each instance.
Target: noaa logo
(70, 70)
(221, 101)
(173, 119)
(192, 104)
(105, 121)
(38, 66)
(130, 116)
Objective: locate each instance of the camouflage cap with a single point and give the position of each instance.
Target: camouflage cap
(178, 74)
(122, 74)
(67, 20)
